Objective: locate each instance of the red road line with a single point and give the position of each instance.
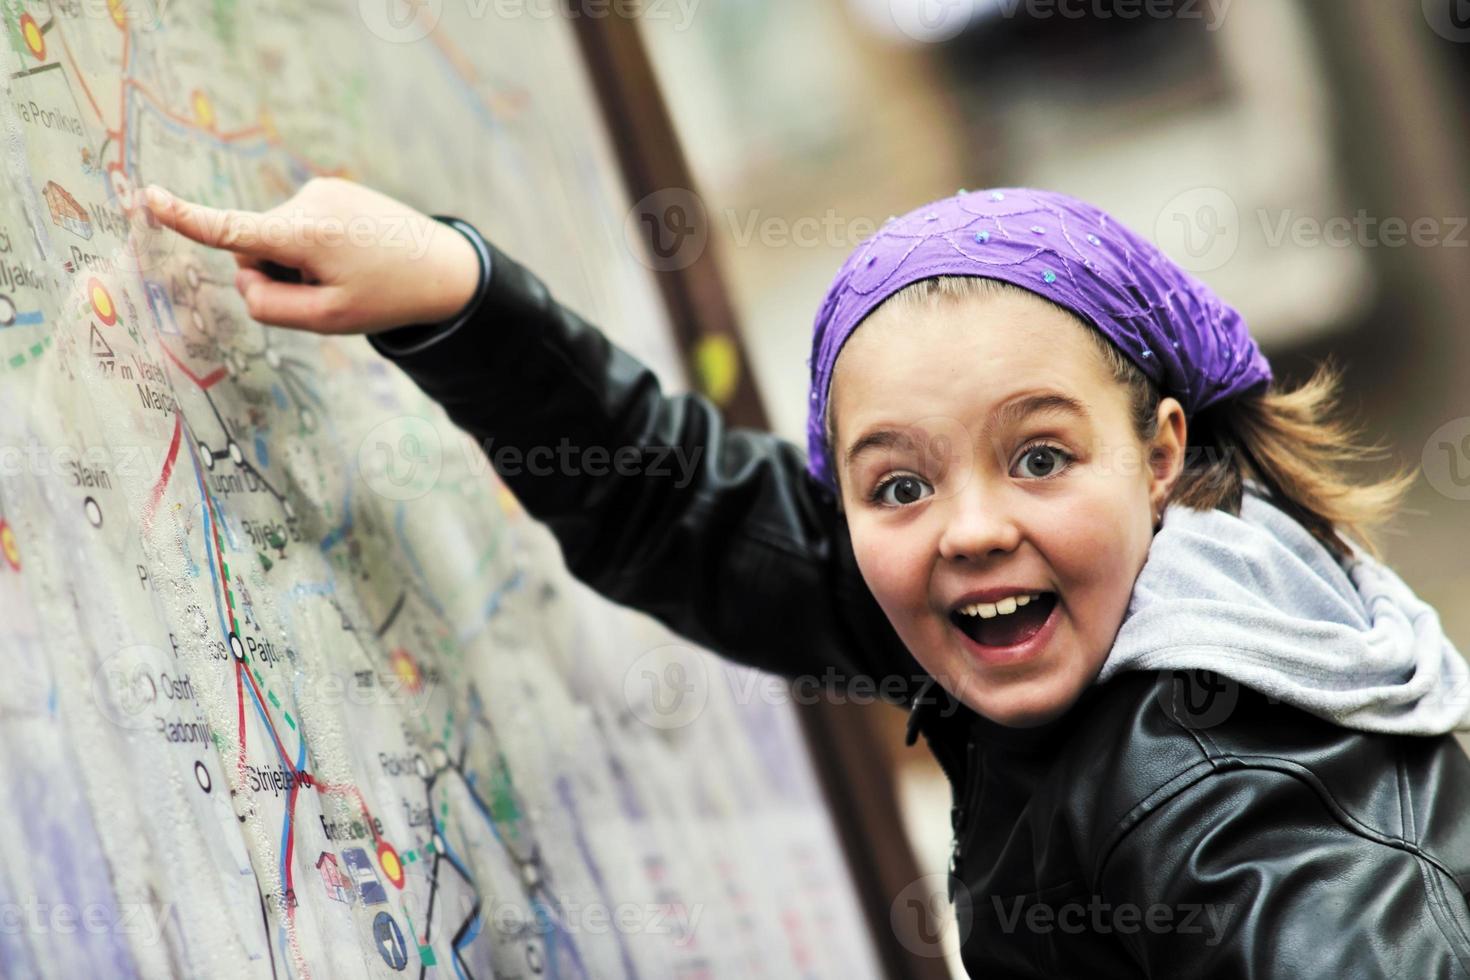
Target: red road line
(240, 696)
(160, 105)
(204, 383)
(233, 136)
(290, 842)
(120, 131)
(237, 135)
(168, 468)
(291, 933)
(82, 79)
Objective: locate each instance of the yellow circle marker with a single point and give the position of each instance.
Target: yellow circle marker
(388, 861)
(8, 545)
(203, 110)
(119, 11)
(102, 302)
(35, 40)
(407, 669)
(718, 365)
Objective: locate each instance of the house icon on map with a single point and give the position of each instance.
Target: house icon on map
(338, 885)
(66, 212)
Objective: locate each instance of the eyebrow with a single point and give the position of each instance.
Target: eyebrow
(1007, 413)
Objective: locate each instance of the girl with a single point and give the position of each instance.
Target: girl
(1193, 728)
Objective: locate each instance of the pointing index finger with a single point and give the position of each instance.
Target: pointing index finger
(242, 232)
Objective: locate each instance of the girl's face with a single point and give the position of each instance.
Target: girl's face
(982, 446)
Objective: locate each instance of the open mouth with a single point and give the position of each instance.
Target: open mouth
(1007, 629)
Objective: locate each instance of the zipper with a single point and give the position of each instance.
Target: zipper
(957, 814)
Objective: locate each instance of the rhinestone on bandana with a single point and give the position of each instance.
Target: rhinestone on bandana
(1038, 229)
(1093, 240)
(1049, 276)
(982, 237)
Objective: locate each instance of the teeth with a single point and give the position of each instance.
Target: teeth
(1006, 606)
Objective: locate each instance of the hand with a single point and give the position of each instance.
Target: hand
(367, 263)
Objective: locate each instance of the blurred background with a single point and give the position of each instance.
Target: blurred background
(1307, 158)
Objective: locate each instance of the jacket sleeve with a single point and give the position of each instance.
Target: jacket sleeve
(1249, 875)
(717, 532)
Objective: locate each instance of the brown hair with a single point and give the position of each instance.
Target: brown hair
(1293, 442)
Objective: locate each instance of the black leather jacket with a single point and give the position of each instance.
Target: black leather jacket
(1168, 825)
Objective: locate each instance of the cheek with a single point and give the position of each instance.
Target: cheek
(1086, 542)
(895, 567)
(1096, 552)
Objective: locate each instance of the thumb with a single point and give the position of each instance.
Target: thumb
(239, 231)
(289, 304)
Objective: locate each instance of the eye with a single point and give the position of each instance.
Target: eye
(1049, 460)
(907, 490)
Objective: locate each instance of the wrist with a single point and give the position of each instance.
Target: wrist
(465, 271)
(462, 303)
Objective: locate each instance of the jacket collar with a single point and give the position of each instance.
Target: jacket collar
(941, 716)
(923, 708)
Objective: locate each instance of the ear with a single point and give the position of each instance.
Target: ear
(1166, 452)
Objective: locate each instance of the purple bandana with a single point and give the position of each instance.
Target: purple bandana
(1183, 336)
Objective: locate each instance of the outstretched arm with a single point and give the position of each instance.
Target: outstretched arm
(717, 532)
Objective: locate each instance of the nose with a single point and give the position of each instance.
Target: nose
(977, 525)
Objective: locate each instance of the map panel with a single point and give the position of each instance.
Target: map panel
(295, 687)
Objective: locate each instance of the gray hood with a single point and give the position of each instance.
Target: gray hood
(1257, 599)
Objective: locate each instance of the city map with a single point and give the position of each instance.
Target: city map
(295, 687)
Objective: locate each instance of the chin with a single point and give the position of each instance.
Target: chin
(1028, 706)
(1027, 717)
